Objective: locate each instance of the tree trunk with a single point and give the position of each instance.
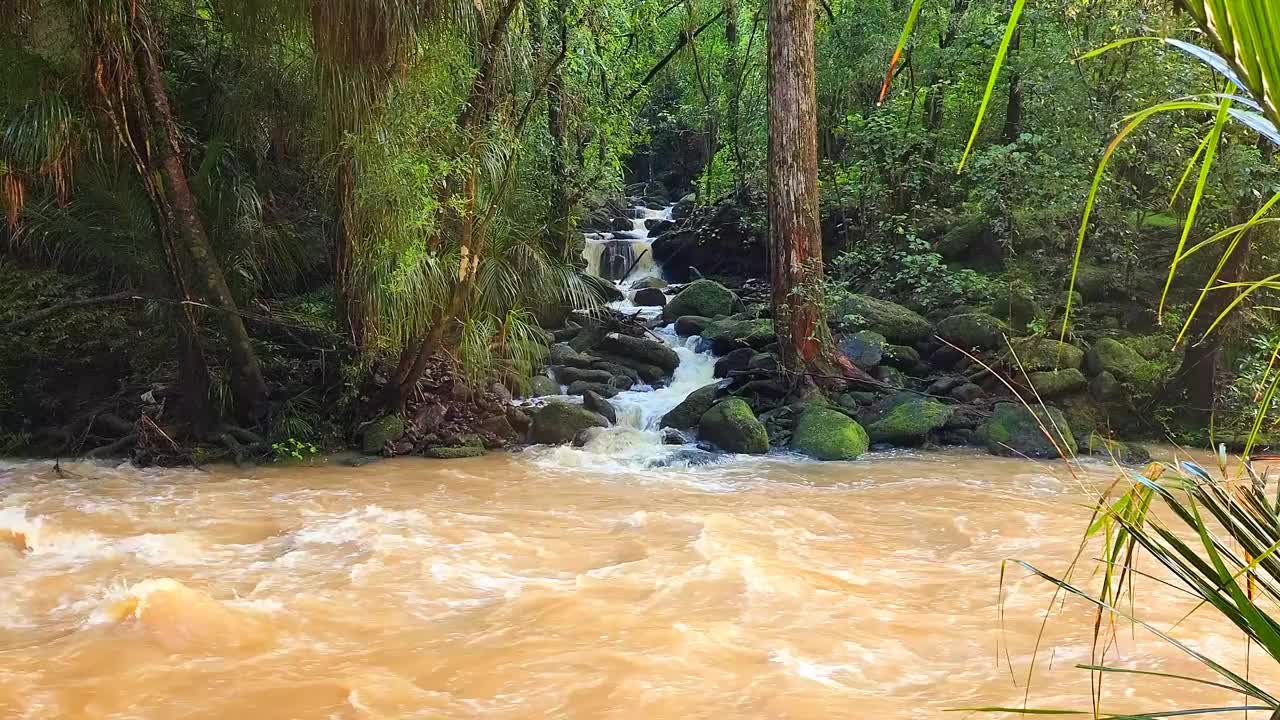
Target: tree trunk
(731, 71)
(558, 222)
(1013, 111)
(249, 389)
(795, 241)
(348, 298)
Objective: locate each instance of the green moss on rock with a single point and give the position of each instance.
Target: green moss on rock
(453, 453)
(557, 423)
(1054, 383)
(686, 415)
(707, 298)
(910, 422)
(1111, 355)
(1014, 431)
(1046, 354)
(900, 325)
(732, 333)
(1122, 452)
(731, 426)
(826, 434)
(381, 431)
(974, 330)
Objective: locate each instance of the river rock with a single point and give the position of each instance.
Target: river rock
(685, 416)
(571, 375)
(910, 422)
(732, 333)
(899, 325)
(582, 439)
(647, 351)
(764, 362)
(620, 224)
(966, 392)
(649, 297)
(541, 386)
(1121, 452)
(684, 207)
(864, 348)
(614, 369)
(707, 298)
(1054, 383)
(903, 357)
(453, 452)
(650, 282)
(889, 376)
(566, 333)
(944, 385)
(826, 434)
(731, 426)
(1123, 362)
(558, 423)
(594, 402)
(1045, 354)
(687, 325)
(672, 436)
(1014, 431)
(1017, 307)
(378, 433)
(735, 361)
(657, 226)
(974, 330)
(1104, 387)
(564, 354)
(650, 374)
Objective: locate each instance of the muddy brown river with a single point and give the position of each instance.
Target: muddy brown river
(551, 584)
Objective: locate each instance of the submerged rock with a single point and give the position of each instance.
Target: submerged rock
(731, 426)
(685, 416)
(899, 325)
(910, 422)
(707, 298)
(558, 423)
(826, 434)
(1014, 431)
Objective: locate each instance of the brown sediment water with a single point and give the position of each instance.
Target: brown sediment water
(552, 584)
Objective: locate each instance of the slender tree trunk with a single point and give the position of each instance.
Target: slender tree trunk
(731, 71)
(249, 389)
(795, 241)
(558, 222)
(348, 298)
(1013, 111)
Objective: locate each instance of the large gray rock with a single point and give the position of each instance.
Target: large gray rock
(734, 332)
(731, 426)
(687, 325)
(707, 298)
(1014, 431)
(1055, 383)
(1123, 362)
(649, 297)
(541, 386)
(1046, 354)
(596, 403)
(974, 330)
(685, 416)
(647, 351)
(558, 423)
(571, 375)
(864, 348)
(564, 354)
(900, 325)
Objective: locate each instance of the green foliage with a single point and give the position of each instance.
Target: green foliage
(293, 449)
(910, 271)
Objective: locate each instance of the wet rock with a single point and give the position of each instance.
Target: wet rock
(685, 416)
(566, 333)
(607, 291)
(731, 426)
(519, 420)
(500, 393)
(657, 226)
(594, 402)
(684, 207)
(687, 325)
(644, 350)
(826, 434)
(571, 375)
(650, 374)
(1123, 362)
(541, 386)
(731, 333)
(558, 423)
(377, 434)
(1014, 431)
(763, 362)
(974, 330)
(1122, 452)
(946, 358)
(672, 436)
(966, 392)
(1094, 282)
(564, 354)
(689, 457)
(864, 348)
(899, 325)
(650, 282)
(649, 297)
(1045, 354)
(1055, 383)
(582, 439)
(911, 422)
(620, 224)
(944, 385)
(966, 417)
(453, 453)
(581, 386)
(615, 370)
(735, 361)
(856, 399)
(707, 298)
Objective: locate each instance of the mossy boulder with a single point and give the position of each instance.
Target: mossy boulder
(1122, 452)
(903, 357)
(898, 324)
(650, 352)
(1123, 362)
(1094, 282)
(1014, 431)
(685, 416)
(890, 376)
(974, 330)
(1046, 354)
(1055, 383)
(731, 426)
(557, 423)
(910, 422)
(454, 453)
(381, 431)
(707, 298)
(1017, 306)
(826, 434)
(864, 348)
(1105, 387)
(732, 333)
(541, 385)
